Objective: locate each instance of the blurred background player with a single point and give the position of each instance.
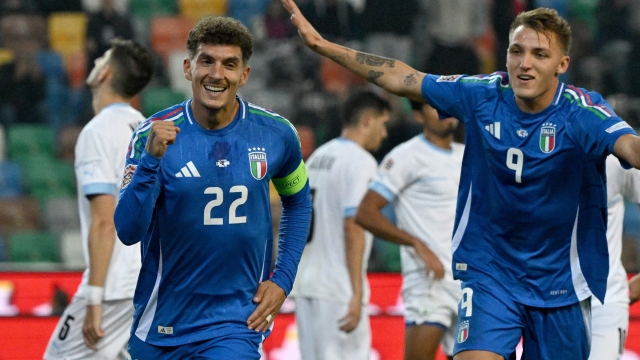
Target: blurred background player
(420, 178)
(610, 322)
(96, 324)
(198, 201)
(331, 291)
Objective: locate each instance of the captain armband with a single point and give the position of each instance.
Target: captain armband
(292, 183)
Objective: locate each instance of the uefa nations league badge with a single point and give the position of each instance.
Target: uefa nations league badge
(258, 163)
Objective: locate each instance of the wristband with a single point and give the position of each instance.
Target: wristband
(94, 294)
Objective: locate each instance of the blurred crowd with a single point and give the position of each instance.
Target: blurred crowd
(47, 47)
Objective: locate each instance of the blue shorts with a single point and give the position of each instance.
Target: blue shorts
(228, 347)
(489, 320)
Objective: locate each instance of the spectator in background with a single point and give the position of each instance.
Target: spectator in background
(276, 21)
(103, 27)
(96, 324)
(454, 26)
(22, 93)
(335, 18)
(389, 25)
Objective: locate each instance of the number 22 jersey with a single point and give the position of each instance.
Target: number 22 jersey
(202, 214)
(531, 212)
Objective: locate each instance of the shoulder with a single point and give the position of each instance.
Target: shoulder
(583, 104)
(267, 118)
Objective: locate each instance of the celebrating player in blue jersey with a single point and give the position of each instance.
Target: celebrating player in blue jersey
(196, 195)
(529, 240)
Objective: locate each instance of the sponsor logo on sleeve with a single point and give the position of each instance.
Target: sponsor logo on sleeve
(129, 170)
(448, 78)
(619, 126)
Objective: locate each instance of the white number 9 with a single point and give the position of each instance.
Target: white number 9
(515, 161)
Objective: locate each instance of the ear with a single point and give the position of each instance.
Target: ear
(186, 67)
(564, 65)
(105, 73)
(245, 76)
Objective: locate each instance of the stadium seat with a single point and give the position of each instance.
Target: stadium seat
(26, 140)
(3, 143)
(196, 9)
(61, 214)
(159, 98)
(46, 178)
(21, 213)
(151, 8)
(71, 252)
(169, 33)
(175, 72)
(33, 246)
(67, 139)
(10, 179)
(67, 32)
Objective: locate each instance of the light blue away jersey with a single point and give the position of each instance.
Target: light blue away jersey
(203, 216)
(531, 211)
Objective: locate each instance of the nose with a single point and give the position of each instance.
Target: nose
(216, 71)
(525, 61)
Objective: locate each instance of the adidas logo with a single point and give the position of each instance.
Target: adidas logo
(188, 171)
(494, 129)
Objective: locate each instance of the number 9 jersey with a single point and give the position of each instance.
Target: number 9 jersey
(531, 214)
(202, 214)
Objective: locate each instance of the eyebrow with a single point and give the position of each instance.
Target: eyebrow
(234, 59)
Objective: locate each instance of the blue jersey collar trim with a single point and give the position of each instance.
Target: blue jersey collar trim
(240, 114)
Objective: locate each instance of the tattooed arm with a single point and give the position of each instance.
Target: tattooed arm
(392, 75)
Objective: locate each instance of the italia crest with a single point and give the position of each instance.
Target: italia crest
(463, 332)
(258, 163)
(548, 137)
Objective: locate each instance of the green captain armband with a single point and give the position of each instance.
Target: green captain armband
(292, 183)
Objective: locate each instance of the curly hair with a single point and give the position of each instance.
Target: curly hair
(220, 30)
(545, 21)
(133, 67)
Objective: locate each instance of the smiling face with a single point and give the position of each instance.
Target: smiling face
(216, 72)
(534, 62)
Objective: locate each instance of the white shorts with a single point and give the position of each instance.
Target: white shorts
(320, 335)
(432, 302)
(609, 327)
(67, 341)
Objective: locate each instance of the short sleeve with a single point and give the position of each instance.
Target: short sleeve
(356, 183)
(94, 164)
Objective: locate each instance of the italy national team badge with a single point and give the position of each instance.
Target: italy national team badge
(258, 162)
(463, 333)
(547, 137)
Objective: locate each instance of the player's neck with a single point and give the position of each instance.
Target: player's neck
(103, 97)
(354, 135)
(539, 103)
(214, 119)
(443, 142)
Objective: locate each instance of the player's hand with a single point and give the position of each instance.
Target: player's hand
(434, 266)
(351, 320)
(308, 34)
(634, 289)
(269, 298)
(91, 329)
(161, 135)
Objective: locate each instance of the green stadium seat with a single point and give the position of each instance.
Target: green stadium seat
(24, 140)
(151, 8)
(160, 98)
(47, 178)
(33, 246)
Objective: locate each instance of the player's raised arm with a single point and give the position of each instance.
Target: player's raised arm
(627, 147)
(392, 75)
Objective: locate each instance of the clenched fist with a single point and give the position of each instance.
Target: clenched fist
(161, 135)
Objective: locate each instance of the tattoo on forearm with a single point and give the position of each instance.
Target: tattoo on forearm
(374, 75)
(340, 59)
(411, 79)
(373, 60)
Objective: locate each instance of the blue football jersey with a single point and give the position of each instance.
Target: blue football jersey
(202, 213)
(531, 212)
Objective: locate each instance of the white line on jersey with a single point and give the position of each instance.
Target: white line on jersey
(494, 129)
(188, 171)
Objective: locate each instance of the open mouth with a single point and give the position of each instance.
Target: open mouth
(525, 77)
(214, 89)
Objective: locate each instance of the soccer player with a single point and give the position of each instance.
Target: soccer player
(95, 324)
(331, 291)
(420, 178)
(529, 242)
(610, 321)
(196, 196)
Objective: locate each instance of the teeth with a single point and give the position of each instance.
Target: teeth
(214, 88)
(525, 77)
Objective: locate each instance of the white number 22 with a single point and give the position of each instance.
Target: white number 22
(233, 219)
(515, 161)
